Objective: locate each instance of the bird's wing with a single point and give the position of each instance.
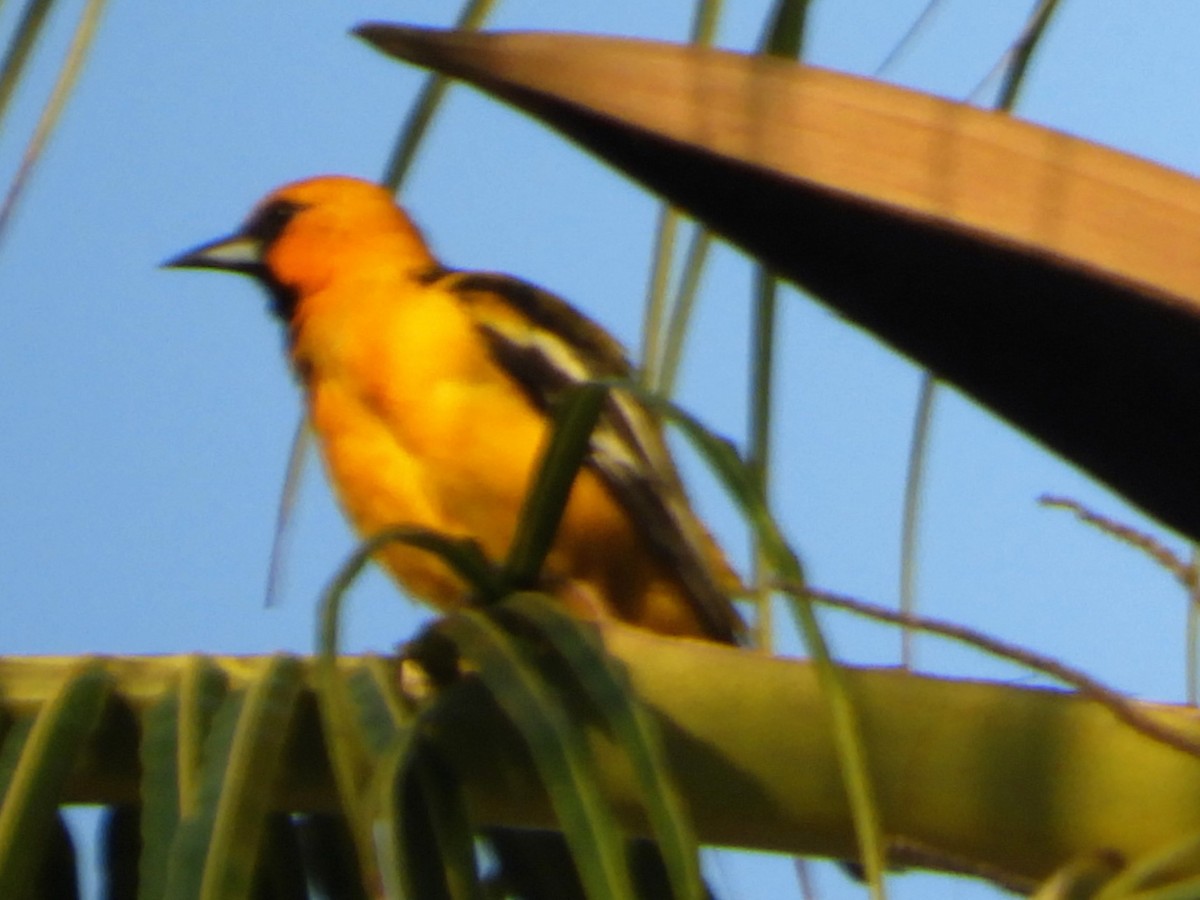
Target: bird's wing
(547, 346)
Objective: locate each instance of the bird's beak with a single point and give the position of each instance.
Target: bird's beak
(235, 253)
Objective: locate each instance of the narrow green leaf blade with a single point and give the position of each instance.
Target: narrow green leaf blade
(24, 37)
(32, 787)
(202, 689)
(217, 849)
(558, 747)
(605, 684)
(739, 480)
(252, 769)
(786, 29)
(160, 792)
(16, 736)
(377, 713)
(451, 828)
(348, 746)
(421, 830)
(574, 421)
(464, 556)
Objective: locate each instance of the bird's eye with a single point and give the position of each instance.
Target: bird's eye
(268, 223)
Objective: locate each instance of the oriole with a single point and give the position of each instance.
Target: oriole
(428, 390)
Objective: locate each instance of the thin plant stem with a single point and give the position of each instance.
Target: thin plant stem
(681, 308)
(289, 495)
(81, 42)
(1192, 651)
(761, 394)
(656, 297)
(416, 123)
(914, 491)
(659, 306)
(24, 38)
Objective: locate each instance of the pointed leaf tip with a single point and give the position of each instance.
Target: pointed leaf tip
(408, 43)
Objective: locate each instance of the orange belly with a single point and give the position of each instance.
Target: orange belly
(470, 482)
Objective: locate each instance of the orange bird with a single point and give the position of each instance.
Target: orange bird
(428, 389)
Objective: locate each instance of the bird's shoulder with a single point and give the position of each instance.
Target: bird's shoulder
(523, 321)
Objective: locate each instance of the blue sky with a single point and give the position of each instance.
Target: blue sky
(147, 414)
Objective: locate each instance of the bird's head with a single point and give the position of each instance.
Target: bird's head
(301, 237)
